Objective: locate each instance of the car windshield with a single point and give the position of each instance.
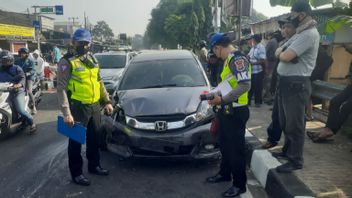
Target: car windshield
(163, 73)
(111, 61)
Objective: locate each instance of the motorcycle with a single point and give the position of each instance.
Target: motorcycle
(10, 120)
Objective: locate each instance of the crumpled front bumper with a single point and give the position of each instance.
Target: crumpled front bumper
(194, 142)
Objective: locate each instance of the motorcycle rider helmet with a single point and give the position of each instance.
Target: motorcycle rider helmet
(6, 58)
(23, 50)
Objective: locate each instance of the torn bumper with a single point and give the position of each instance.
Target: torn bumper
(189, 143)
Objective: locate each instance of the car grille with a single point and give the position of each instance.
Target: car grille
(167, 118)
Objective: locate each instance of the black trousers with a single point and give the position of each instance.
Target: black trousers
(293, 94)
(256, 88)
(339, 110)
(274, 130)
(89, 116)
(232, 145)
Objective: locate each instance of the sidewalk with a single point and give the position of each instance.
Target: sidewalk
(328, 167)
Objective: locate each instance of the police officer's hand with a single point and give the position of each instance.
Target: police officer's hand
(69, 120)
(109, 109)
(215, 101)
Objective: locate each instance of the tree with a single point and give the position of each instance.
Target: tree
(183, 22)
(102, 31)
(314, 3)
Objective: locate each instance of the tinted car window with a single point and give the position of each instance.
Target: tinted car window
(163, 73)
(111, 61)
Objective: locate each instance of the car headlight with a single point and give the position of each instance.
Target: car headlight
(204, 112)
(139, 125)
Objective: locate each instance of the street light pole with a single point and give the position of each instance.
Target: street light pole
(239, 20)
(73, 22)
(37, 31)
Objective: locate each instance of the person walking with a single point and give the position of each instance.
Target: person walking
(232, 115)
(297, 60)
(80, 92)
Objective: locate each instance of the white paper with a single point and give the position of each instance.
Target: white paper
(223, 87)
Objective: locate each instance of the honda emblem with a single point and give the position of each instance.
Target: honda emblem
(161, 126)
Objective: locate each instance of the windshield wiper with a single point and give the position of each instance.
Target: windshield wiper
(160, 86)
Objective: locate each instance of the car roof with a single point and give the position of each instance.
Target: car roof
(163, 55)
(112, 53)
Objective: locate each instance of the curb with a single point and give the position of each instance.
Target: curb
(263, 165)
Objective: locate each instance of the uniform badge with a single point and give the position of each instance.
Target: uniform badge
(240, 65)
(63, 68)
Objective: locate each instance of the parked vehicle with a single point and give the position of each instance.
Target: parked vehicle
(158, 111)
(112, 65)
(10, 120)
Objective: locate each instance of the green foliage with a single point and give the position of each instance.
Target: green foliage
(183, 22)
(314, 3)
(102, 31)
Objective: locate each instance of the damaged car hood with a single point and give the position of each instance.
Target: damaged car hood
(161, 101)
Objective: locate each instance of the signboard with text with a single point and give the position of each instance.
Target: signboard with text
(58, 10)
(14, 30)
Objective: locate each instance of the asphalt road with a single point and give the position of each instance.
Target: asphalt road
(36, 166)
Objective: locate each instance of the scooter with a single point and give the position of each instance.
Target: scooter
(10, 120)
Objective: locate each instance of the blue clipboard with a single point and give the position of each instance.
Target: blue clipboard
(76, 133)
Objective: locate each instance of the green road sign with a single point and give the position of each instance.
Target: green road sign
(47, 10)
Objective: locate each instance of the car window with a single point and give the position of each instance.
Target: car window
(111, 61)
(163, 73)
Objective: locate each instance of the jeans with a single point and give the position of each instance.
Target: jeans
(18, 100)
(29, 86)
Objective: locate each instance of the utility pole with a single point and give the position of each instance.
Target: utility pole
(37, 30)
(85, 21)
(216, 16)
(239, 3)
(73, 22)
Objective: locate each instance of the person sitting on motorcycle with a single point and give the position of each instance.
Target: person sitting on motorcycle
(29, 68)
(10, 73)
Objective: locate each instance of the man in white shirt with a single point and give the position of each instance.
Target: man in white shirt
(39, 66)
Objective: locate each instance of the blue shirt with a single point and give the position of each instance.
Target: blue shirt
(255, 54)
(57, 54)
(13, 74)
